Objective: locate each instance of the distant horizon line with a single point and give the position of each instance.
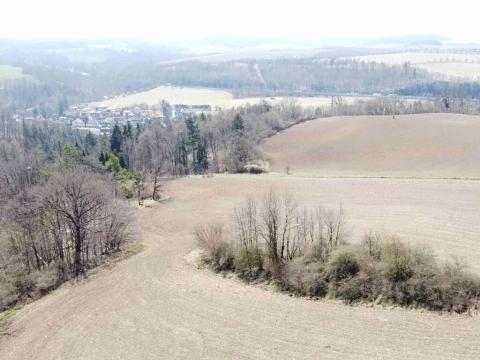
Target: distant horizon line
(411, 39)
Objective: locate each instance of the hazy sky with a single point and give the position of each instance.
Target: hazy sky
(190, 19)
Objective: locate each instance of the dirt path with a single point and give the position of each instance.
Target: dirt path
(260, 75)
(157, 305)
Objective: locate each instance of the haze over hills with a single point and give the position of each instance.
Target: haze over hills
(239, 180)
(77, 71)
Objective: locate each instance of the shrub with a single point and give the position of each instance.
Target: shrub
(249, 261)
(410, 276)
(400, 269)
(343, 265)
(274, 269)
(127, 190)
(305, 278)
(353, 289)
(452, 289)
(45, 280)
(373, 244)
(9, 294)
(24, 283)
(218, 252)
(253, 169)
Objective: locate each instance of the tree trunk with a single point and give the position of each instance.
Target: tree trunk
(78, 251)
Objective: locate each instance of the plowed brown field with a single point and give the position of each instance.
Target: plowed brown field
(158, 305)
(424, 145)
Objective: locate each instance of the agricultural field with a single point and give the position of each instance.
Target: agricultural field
(201, 96)
(461, 70)
(184, 311)
(234, 180)
(424, 145)
(306, 102)
(172, 94)
(452, 65)
(8, 72)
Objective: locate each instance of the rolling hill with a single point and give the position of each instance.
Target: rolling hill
(425, 145)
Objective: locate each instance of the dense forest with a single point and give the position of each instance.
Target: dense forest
(66, 74)
(47, 86)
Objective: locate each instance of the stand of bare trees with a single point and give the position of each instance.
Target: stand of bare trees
(55, 227)
(393, 105)
(225, 141)
(270, 233)
(304, 251)
(95, 223)
(285, 231)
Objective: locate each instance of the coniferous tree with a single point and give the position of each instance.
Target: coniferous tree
(138, 131)
(123, 161)
(62, 106)
(181, 156)
(128, 130)
(202, 157)
(237, 123)
(71, 156)
(90, 142)
(193, 137)
(116, 140)
(101, 158)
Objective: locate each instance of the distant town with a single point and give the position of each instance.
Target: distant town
(100, 119)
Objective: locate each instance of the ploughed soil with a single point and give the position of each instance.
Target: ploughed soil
(421, 145)
(159, 305)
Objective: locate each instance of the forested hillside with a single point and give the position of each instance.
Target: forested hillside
(72, 73)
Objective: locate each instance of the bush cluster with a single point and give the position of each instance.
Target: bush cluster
(387, 270)
(19, 285)
(217, 251)
(381, 269)
(410, 276)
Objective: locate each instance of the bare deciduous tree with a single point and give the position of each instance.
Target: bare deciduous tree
(286, 231)
(78, 199)
(153, 157)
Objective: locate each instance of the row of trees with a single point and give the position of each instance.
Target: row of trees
(307, 76)
(224, 141)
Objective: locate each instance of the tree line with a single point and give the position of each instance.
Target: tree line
(60, 211)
